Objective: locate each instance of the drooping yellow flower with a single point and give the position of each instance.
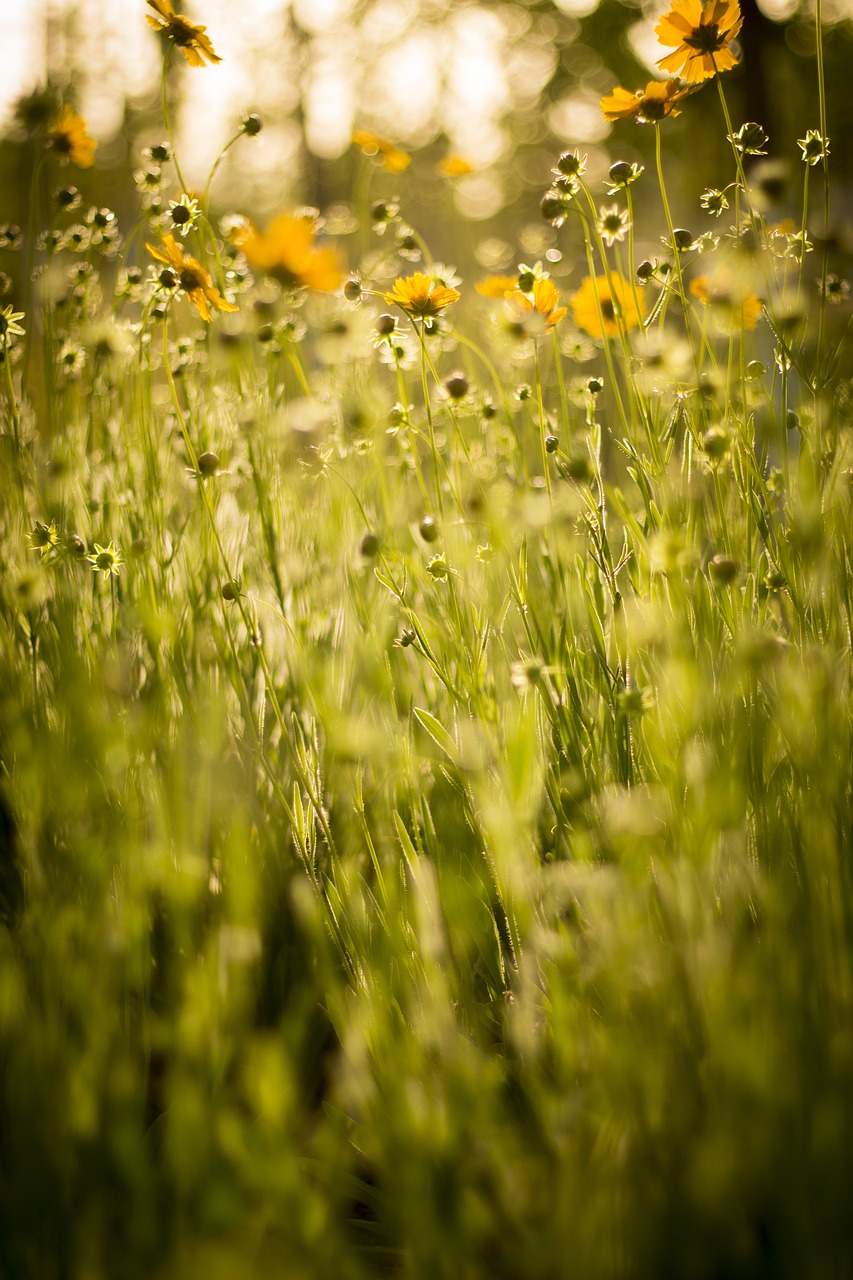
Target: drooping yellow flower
(191, 277)
(189, 38)
(658, 100)
(702, 35)
(731, 302)
(419, 297)
(68, 136)
(496, 286)
(541, 307)
(393, 159)
(613, 297)
(287, 252)
(454, 167)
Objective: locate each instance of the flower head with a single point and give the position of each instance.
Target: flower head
(733, 305)
(286, 251)
(540, 306)
(814, 147)
(69, 138)
(106, 560)
(454, 167)
(184, 213)
(189, 38)
(420, 297)
(9, 327)
(613, 224)
(658, 100)
(603, 305)
(496, 286)
(44, 537)
(701, 35)
(191, 277)
(393, 159)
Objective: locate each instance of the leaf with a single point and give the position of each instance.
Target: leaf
(437, 732)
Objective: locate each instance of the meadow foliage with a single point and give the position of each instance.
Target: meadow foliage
(425, 718)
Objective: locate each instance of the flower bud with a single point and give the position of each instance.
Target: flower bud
(252, 125)
(456, 385)
(428, 529)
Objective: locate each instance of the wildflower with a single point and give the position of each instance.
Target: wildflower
(542, 308)
(835, 290)
(286, 251)
(613, 224)
(622, 174)
(814, 147)
(106, 560)
(44, 537)
(613, 298)
(714, 201)
(71, 360)
(701, 35)
(393, 159)
(750, 139)
(382, 214)
(184, 213)
(76, 238)
(191, 277)
(527, 674)
(67, 198)
(252, 124)
(454, 167)
(437, 567)
(734, 306)
(571, 164)
(496, 286)
(419, 297)
(9, 327)
(68, 136)
(557, 202)
(11, 237)
(658, 100)
(189, 38)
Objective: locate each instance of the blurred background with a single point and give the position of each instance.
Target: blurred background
(504, 85)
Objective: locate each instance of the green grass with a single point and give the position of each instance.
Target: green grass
(365, 913)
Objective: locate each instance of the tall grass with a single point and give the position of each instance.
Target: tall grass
(428, 855)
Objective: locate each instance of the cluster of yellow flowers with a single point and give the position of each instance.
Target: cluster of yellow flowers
(702, 37)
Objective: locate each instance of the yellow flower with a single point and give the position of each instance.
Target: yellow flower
(541, 307)
(732, 303)
(393, 159)
(615, 300)
(496, 286)
(106, 560)
(190, 39)
(419, 297)
(454, 167)
(658, 100)
(68, 136)
(701, 34)
(286, 251)
(191, 277)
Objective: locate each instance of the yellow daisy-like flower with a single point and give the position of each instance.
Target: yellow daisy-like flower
(454, 167)
(419, 297)
(106, 560)
(68, 136)
(496, 286)
(702, 35)
(191, 277)
(658, 100)
(9, 327)
(733, 305)
(189, 38)
(286, 251)
(393, 159)
(541, 307)
(614, 298)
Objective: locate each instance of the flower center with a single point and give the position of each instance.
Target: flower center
(182, 32)
(191, 280)
(608, 311)
(705, 39)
